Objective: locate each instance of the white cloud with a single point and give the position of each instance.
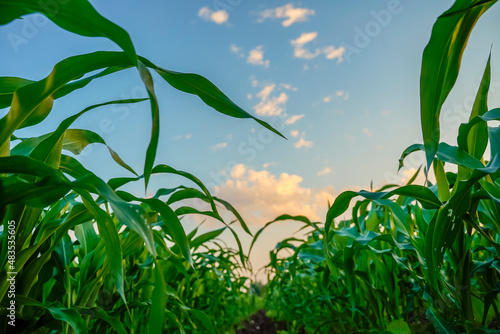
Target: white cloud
(385, 112)
(219, 16)
(249, 96)
(324, 171)
(338, 94)
(238, 171)
(367, 132)
(332, 53)
(290, 87)
(236, 50)
(260, 196)
(270, 106)
(287, 12)
(267, 164)
(303, 143)
(294, 118)
(301, 41)
(300, 51)
(186, 137)
(264, 93)
(256, 57)
(294, 133)
(205, 13)
(343, 94)
(306, 37)
(219, 146)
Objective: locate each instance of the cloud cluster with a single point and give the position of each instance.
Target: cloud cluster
(270, 105)
(303, 142)
(218, 16)
(236, 50)
(343, 94)
(293, 119)
(260, 196)
(287, 12)
(324, 171)
(267, 164)
(339, 94)
(290, 87)
(186, 137)
(256, 57)
(219, 146)
(301, 51)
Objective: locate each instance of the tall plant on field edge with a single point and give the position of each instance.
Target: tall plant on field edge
(125, 278)
(412, 258)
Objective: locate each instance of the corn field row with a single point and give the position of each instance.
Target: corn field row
(81, 255)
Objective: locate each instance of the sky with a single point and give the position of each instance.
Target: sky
(339, 79)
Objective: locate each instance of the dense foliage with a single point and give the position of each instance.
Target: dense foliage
(413, 258)
(79, 254)
(88, 257)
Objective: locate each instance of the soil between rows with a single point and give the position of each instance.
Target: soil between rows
(262, 324)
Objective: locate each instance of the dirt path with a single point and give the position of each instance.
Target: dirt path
(262, 324)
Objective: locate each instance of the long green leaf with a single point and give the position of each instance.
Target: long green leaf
(207, 92)
(156, 318)
(170, 221)
(77, 16)
(109, 233)
(59, 312)
(8, 86)
(478, 136)
(441, 63)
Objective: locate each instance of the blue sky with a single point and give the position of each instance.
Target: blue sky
(340, 80)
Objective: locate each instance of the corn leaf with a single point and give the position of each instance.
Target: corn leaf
(441, 63)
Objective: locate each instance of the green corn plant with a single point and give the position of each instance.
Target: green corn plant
(413, 258)
(89, 257)
(377, 280)
(370, 269)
